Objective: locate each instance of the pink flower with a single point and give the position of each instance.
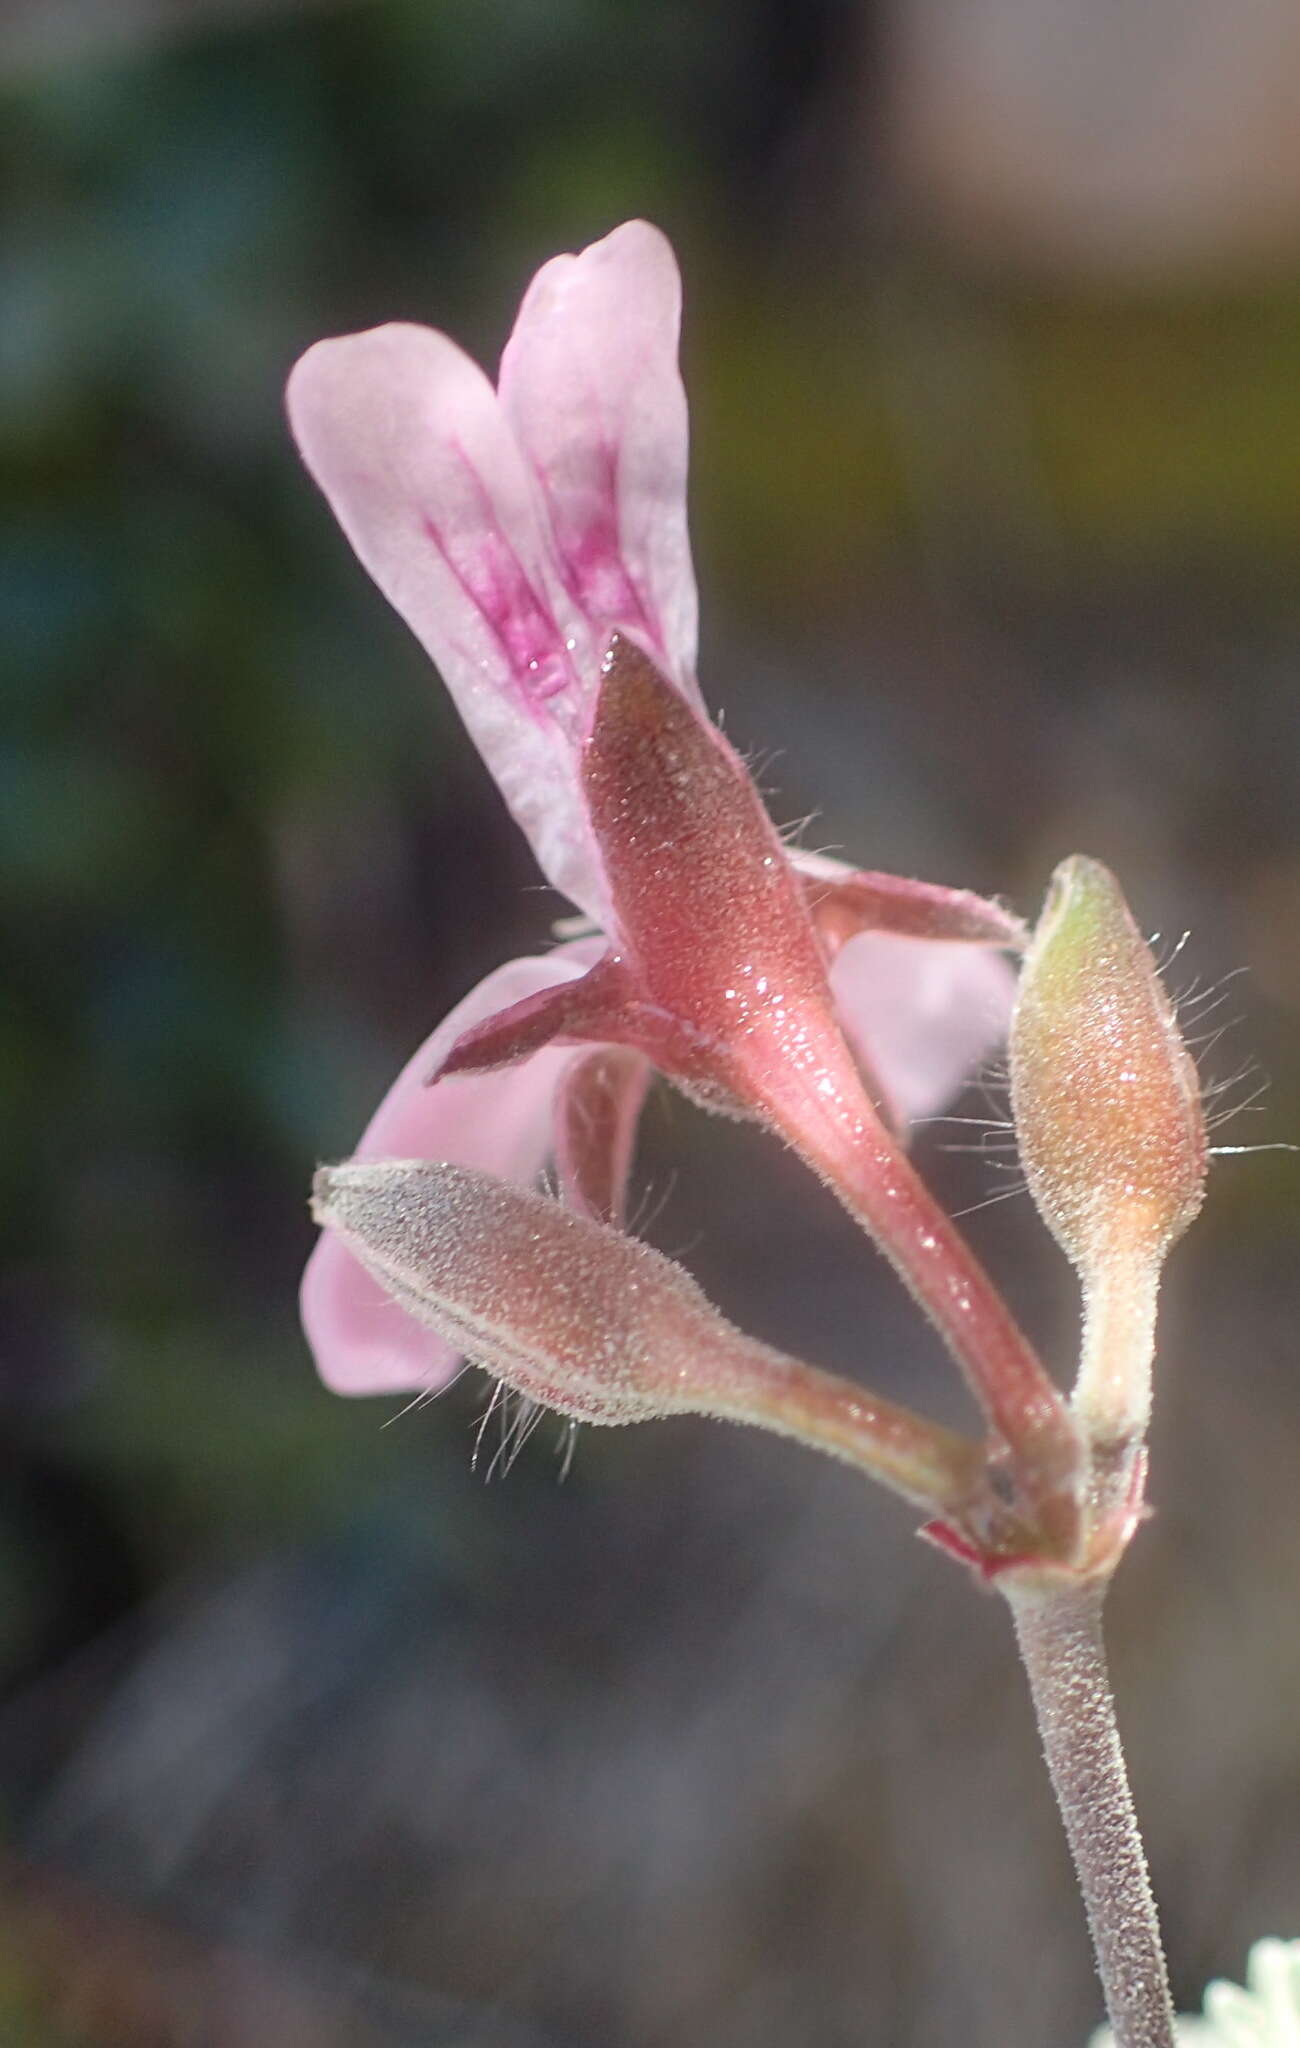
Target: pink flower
(535, 539)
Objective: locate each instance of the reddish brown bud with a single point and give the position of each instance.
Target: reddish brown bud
(597, 1109)
(719, 944)
(600, 1327)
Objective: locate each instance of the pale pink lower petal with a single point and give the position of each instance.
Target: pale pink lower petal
(924, 1013)
(502, 1122)
(590, 382)
(597, 1110)
(408, 441)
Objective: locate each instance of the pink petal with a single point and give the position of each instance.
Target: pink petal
(598, 1107)
(590, 382)
(923, 1012)
(405, 436)
(501, 1122)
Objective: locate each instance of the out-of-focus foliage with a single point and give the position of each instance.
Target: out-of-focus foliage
(1002, 559)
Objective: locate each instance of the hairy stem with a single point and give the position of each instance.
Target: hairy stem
(1058, 1627)
(1112, 1396)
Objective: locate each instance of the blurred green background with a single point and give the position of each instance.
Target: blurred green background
(993, 345)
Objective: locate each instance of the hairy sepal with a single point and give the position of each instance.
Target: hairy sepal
(845, 901)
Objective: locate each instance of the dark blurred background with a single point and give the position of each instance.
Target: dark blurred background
(309, 1735)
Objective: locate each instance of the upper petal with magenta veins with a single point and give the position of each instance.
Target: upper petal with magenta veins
(515, 533)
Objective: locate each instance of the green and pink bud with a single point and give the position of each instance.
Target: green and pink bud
(1107, 1104)
(1106, 1096)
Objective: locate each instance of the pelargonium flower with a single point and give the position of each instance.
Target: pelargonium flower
(535, 539)
(1265, 2015)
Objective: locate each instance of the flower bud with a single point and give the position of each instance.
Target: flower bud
(600, 1327)
(1106, 1098)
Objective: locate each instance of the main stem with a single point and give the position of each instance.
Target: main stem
(1058, 1627)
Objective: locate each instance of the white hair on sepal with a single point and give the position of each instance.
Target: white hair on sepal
(997, 1134)
(426, 1396)
(566, 1445)
(517, 1417)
